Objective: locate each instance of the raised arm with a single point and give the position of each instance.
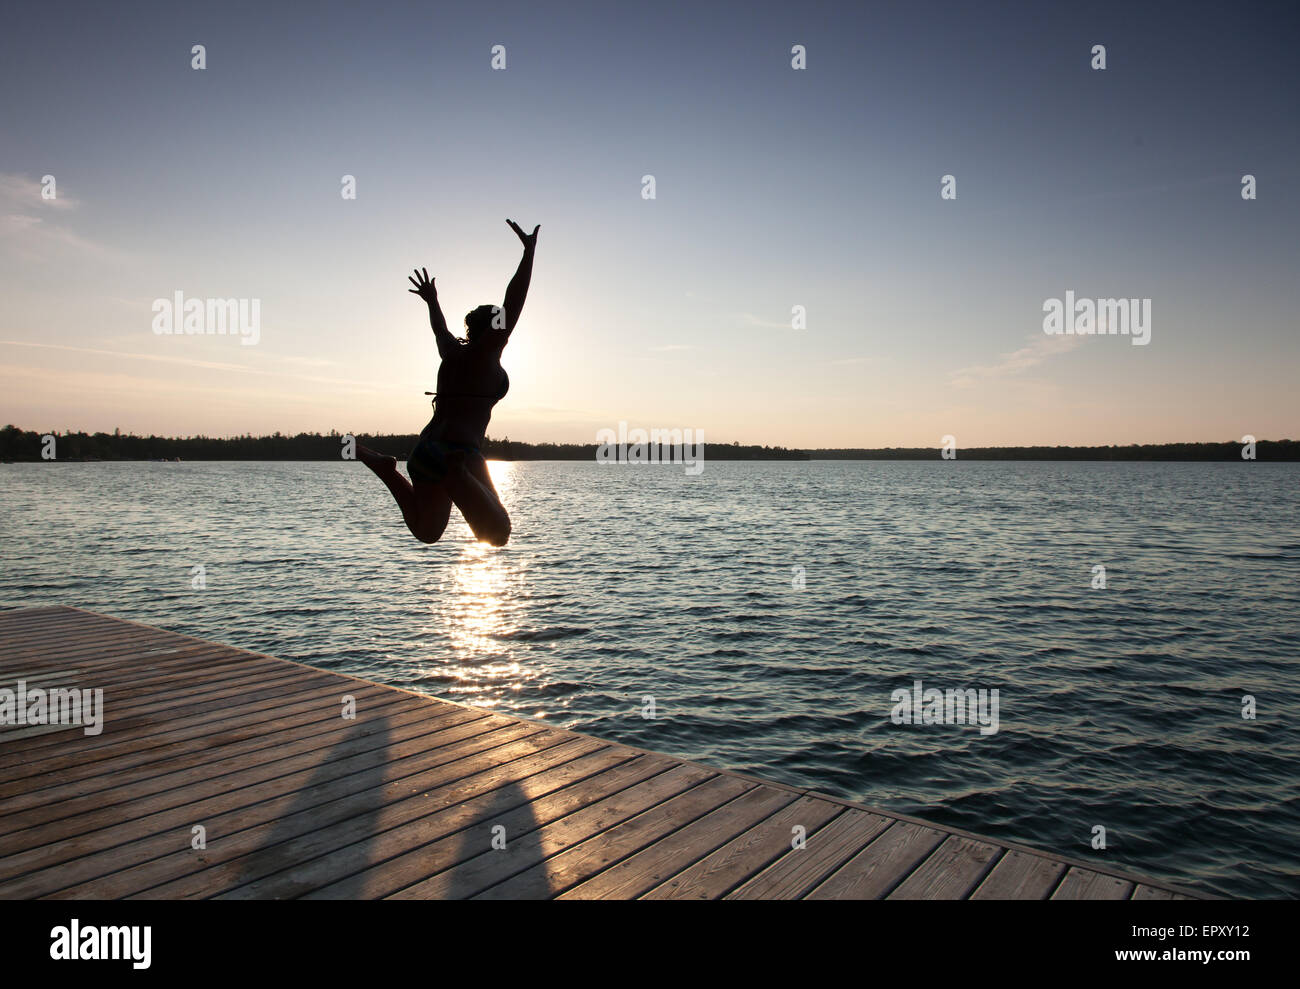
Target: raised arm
(517, 290)
(427, 291)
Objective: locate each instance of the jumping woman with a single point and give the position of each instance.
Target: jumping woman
(447, 466)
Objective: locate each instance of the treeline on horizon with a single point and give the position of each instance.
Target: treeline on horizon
(1231, 450)
(25, 445)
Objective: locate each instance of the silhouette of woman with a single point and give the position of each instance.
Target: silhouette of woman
(446, 466)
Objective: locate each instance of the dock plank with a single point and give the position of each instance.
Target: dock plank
(1020, 876)
(1085, 884)
(237, 728)
(799, 871)
(76, 815)
(1145, 892)
(404, 800)
(526, 858)
(325, 855)
(278, 739)
(951, 871)
(713, 876)
(882, 865)
(623, 864)
(127, 840)
(439, 843)
(286, 829)
(145, 719)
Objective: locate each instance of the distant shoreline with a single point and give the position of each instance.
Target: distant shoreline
(20, 446)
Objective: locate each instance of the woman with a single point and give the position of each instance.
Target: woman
(447, 466)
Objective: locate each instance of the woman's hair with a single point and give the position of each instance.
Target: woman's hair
(479, 321)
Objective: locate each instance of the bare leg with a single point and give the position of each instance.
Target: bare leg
(470, 486)
(425, 511)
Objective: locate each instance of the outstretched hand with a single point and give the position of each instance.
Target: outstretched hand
(424, 286)
(530, 240)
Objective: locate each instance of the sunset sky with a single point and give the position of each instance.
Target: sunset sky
(775, 188)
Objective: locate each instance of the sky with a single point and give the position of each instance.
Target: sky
(775, 188)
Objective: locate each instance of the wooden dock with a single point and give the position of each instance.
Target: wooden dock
(223, 773)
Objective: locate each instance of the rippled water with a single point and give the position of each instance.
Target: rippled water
(1118, 707)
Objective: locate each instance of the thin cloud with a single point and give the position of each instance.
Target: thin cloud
(19, 193)
(753, 320)
(555, 414)
(1040, 348)
(193, 362)
(35, 227)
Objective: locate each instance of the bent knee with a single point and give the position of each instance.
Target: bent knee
(428, 533)
(498, 535)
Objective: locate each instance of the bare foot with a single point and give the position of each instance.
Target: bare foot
(377, 462)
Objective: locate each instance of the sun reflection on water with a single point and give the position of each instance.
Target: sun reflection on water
(502, 473)
(480, 617)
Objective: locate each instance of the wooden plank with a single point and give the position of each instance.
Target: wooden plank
(492, 866)
(19, 635)
(1020, 876)
(1145, 892)
(1084, 884)
(9, 734)
(713, 876)
(144, 717)
(352, 751)
(10, 678)
(441, 831)
(124, 670)
(258, 708)
(1011, 845)
(46, 681)
(601, 870)
(439, 843)
(292, 856)
(38, 806)
(127, 677)
(951, 871)
(882, 865)
(42, 640)
(799, 871)
(273, 739)
(104, 652)
(129, 840)
(105, 636)
(67, 766)
(200, 671)
(244, 837)
(219, 676)
(98, 648)
(141, 715)
(146, 723)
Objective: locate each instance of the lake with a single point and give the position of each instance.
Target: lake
(768, 612)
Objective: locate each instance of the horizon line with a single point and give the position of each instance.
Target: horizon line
(595, 442)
